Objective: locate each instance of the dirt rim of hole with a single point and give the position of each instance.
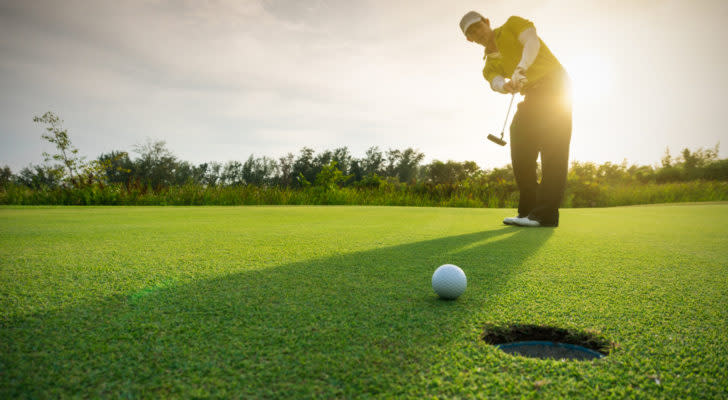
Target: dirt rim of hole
(511, 334)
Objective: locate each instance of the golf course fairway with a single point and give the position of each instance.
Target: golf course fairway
(336, 302)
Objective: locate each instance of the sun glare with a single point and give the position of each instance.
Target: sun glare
(591, 77)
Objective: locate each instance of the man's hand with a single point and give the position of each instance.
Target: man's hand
(517, 81)
(512, 87)
(519, 75)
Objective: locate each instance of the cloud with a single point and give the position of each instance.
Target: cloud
(217, 78)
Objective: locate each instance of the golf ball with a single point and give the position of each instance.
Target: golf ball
(449, 281)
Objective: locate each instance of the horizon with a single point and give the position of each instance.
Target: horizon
(134, 154)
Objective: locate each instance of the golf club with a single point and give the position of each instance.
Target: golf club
(500, 140)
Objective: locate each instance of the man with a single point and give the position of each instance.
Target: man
(542, 123)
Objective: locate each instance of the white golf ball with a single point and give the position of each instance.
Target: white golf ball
(449, 281)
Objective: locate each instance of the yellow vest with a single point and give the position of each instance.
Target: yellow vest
(510, 50)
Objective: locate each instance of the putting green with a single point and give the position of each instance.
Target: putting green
(292, 302)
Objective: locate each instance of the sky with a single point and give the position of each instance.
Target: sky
(221, 80)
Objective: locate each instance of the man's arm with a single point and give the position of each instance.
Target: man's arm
(531, 46)
(493, 74)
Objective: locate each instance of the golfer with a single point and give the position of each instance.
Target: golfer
(517, 61)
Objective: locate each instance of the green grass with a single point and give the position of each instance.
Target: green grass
(492, 195)
(335, 302)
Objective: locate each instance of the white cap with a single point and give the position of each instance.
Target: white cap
(469, 19)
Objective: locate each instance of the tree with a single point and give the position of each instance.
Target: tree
(259, 171)
(156, 165)
(119, 167)
(285, 165)
(198, 173)
(408, 163)
(343, 159)
(393, 160)
(470, 169)
(642, 174)
(6, 175)
(451, 172)
(321, 160)
(695, 162)
(232, 174)
(373, 162)
(356, 171)
(612, 173)
(212, 174)
(67, 154)
(186, 173)
(330, 177)
(440, 173)
(666, 159)
(303, 167)
(583, 171)
(40, 177)
(501, 175)
(689, 166)
(717, 170)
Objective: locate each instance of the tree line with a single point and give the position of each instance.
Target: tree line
(153, 167)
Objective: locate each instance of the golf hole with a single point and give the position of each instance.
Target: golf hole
(546, 342)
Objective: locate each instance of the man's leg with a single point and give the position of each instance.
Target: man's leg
(524, 152)
(555, 165)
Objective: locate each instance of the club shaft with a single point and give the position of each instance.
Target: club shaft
(513, 96)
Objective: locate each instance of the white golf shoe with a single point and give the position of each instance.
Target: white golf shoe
(525, 221)
(513, 220)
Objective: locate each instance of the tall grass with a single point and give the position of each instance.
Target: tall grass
(492, 196)
(654, 193)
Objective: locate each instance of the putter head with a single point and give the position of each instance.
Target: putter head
(496, 140)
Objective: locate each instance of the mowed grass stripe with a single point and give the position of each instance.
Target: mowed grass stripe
(336, 301)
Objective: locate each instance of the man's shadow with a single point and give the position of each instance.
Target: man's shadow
(368, 319)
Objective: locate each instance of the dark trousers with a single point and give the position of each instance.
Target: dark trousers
(542, 125)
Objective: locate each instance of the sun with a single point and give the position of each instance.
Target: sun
(592, 77)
